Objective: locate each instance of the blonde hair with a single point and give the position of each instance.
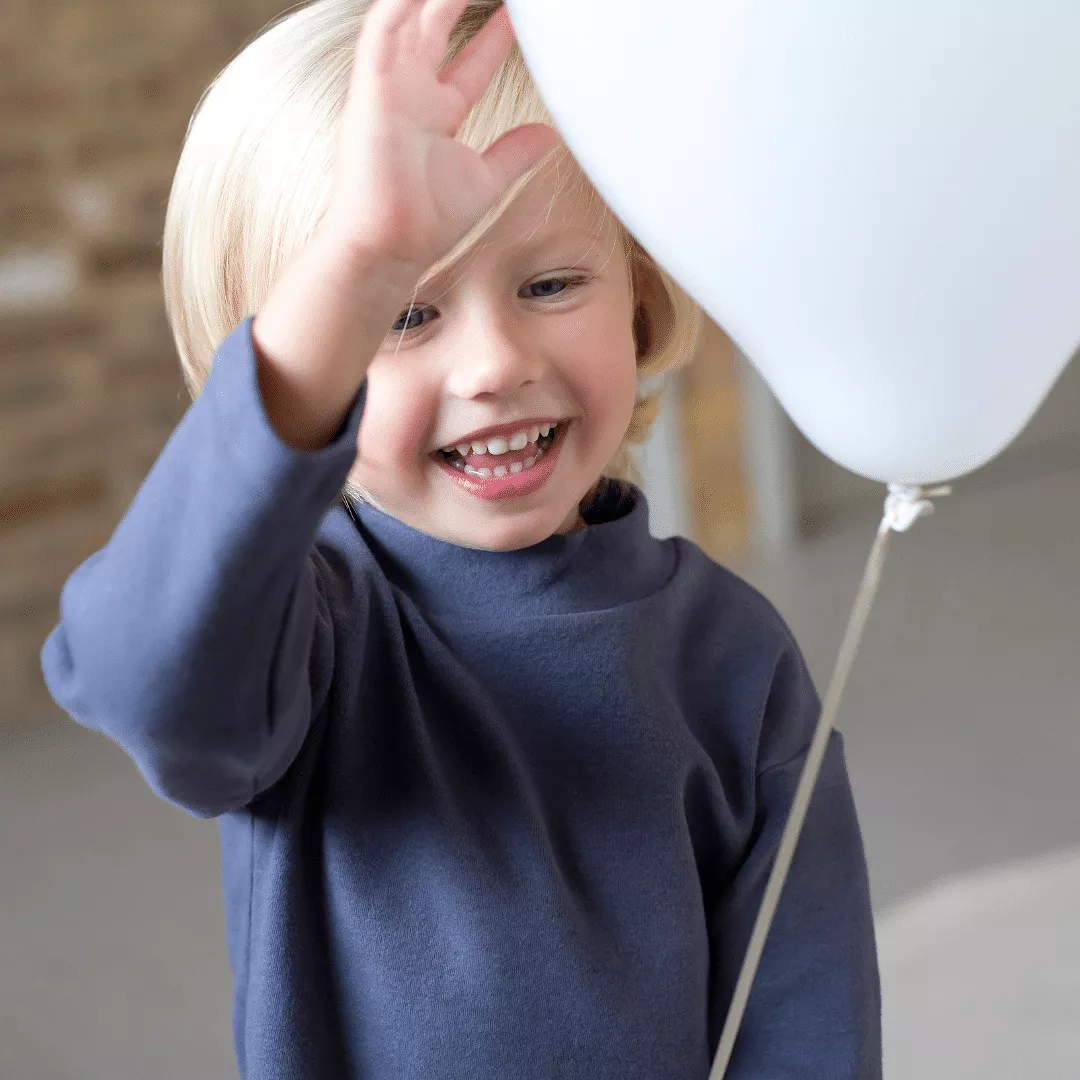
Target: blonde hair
(254, 179)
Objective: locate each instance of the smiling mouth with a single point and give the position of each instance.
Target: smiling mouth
(501, 457)
(506, 475)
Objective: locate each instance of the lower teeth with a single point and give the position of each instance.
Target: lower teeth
(485, 473)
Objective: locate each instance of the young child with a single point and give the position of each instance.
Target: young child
(499, 776)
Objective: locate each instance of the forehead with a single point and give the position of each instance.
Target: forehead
(557, 211)
(558, 214)
(554, 203)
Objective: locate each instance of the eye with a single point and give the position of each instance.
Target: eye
(565, 285)
(405, 322)
(550, 287)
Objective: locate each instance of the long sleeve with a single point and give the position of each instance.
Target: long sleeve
(199, 637)
(815, 1006)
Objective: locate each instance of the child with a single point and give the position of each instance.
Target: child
(499, 776)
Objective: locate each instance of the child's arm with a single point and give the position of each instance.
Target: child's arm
(200, 637)
(815, 1005)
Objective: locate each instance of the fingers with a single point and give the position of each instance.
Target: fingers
(472, 69)
(397, 28)
(514, 153)
(406, 31)
(378, 38)
(438, 18)
(388, 16)
(422, 28)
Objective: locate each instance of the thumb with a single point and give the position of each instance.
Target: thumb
(513, 154)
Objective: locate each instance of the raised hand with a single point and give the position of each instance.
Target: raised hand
(404, 187)
(404, 192)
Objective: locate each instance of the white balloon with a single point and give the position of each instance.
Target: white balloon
(879, 202)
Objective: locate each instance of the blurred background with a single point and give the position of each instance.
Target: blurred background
(961, 721)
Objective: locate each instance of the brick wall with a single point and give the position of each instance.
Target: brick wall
(95, 96)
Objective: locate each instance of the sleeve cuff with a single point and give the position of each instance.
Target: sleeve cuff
(245, 429)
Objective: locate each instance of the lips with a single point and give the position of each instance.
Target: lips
(507, 474)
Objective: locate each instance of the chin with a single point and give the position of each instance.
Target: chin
(515, 532)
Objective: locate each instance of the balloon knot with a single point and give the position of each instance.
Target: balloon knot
(906, 503)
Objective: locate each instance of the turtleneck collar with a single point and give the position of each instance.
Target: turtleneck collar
(613, 560)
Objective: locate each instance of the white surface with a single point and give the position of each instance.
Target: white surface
(876, 201)
(1051, 440)
(981, 975)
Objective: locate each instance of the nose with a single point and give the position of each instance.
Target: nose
(493, 358)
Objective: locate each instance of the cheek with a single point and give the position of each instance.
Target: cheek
(609, 373)
(399, 418)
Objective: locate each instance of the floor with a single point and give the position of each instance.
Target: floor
(962, 717)
(963, 740)
(982, 974)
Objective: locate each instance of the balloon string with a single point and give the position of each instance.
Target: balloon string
(903, 507)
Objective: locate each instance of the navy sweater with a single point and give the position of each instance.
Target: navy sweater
(484, 815)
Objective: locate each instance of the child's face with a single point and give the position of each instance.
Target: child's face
(496, 348)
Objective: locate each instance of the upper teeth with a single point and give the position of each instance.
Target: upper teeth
(518, 441)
